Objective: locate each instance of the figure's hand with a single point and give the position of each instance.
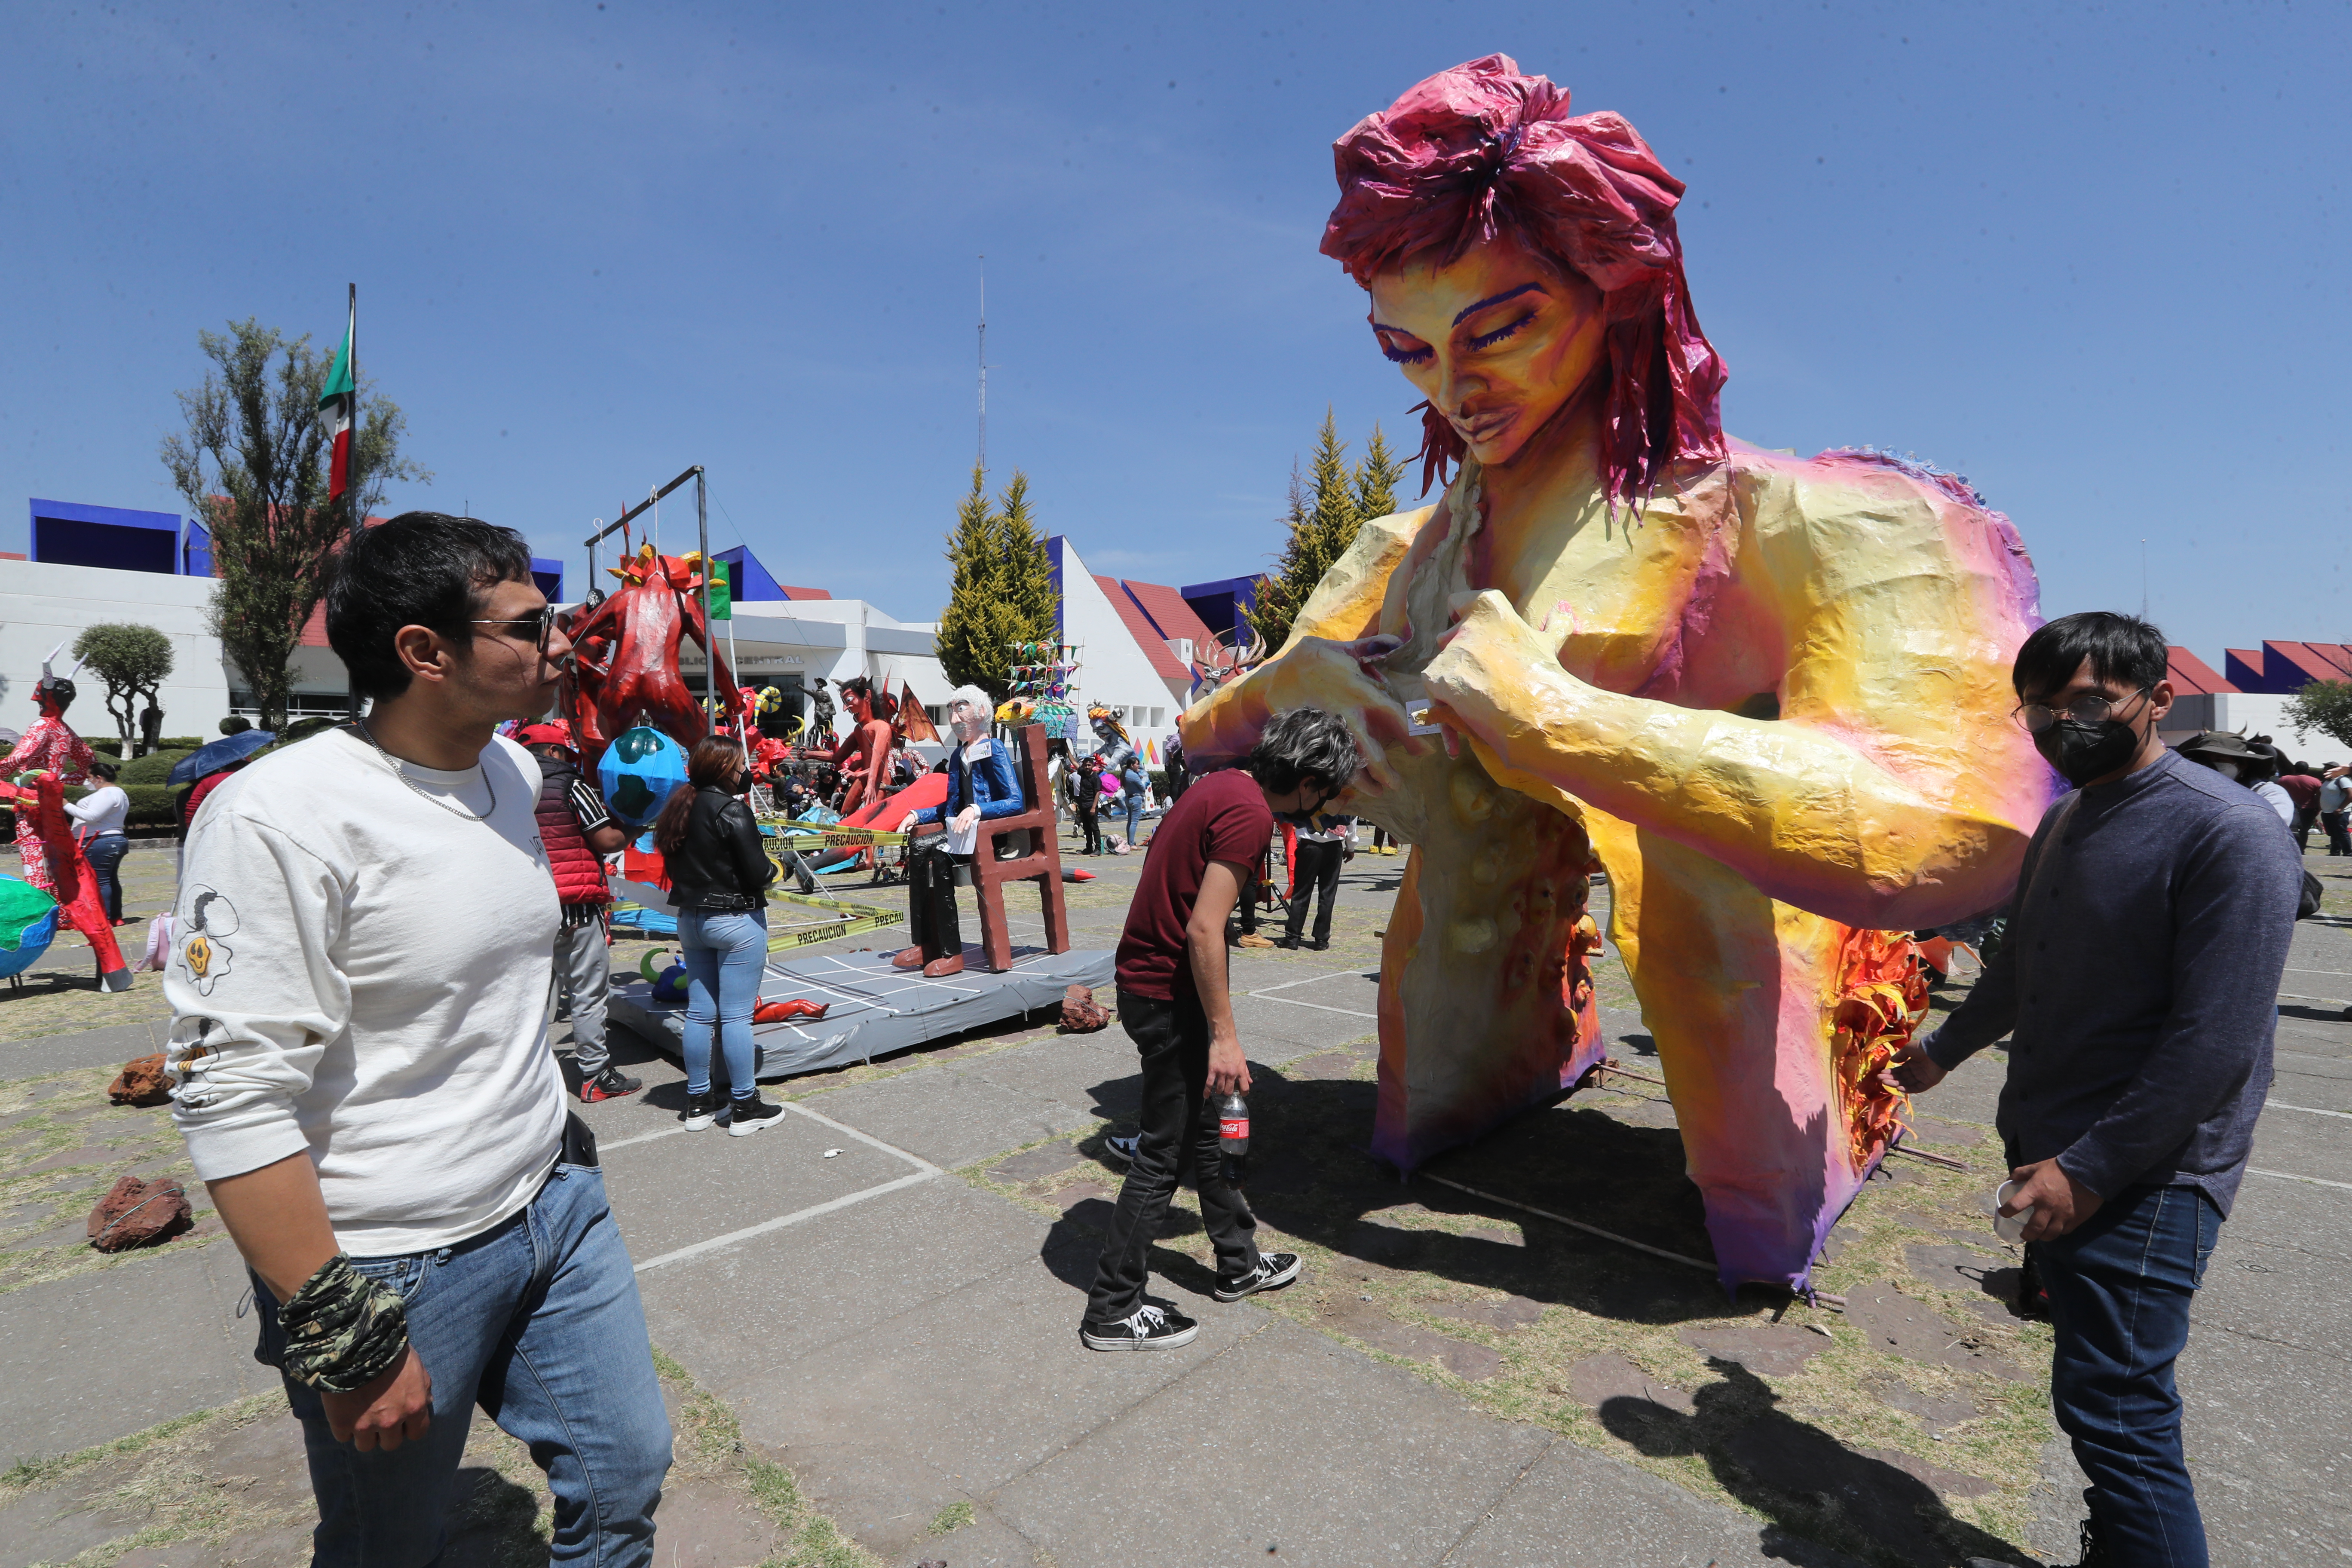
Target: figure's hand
(1341, 678)
(1228, 1068)
(2059, 1202)
(965, 819)
(395, 1407)
(1913, 1071)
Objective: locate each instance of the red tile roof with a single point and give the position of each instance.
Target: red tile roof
(2191, 675)
(791, 593)
(1175, 617)
(1164, 662)
(2315, 661)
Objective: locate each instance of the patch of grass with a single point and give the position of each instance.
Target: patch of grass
(952, 1518)
(710, 1442)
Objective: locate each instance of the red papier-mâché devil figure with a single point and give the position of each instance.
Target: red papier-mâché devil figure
(624, 670)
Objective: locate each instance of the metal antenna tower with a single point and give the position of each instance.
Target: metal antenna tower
(983, 361)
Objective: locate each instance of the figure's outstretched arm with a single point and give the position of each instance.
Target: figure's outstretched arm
(1322, 665)
(1895, 791)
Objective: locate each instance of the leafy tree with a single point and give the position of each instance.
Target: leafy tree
(2324, 706)
(1323, 521)
(1376, 480)
(133, 660)
(253, 468)
(1001, 588)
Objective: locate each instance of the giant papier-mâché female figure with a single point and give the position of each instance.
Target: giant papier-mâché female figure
(1770, 696)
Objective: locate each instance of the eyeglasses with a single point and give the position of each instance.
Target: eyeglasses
(540, 625)
(2094, 708)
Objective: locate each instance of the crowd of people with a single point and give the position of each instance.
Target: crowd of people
(363, 1077)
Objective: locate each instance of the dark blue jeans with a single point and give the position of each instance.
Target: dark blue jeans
(105, 854)
(536, 1322)
(2119, 1291)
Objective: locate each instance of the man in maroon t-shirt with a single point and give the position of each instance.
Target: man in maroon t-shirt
(1175, 1004)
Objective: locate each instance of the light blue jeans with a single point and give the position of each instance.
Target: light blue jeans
(725, 956)
(538, 1322)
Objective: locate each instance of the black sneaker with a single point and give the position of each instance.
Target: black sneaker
(1274, 1269)
(1122, 1149)
(1319, 947)
(1150, 1327)
(749, 1115)
(1288, 943)
(702, 1109)
(610, 1084)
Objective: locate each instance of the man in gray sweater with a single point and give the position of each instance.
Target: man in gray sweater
(2140, 978)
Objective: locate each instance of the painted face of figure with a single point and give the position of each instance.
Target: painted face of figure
(860, 705)
(970, 723)
(1498, 342)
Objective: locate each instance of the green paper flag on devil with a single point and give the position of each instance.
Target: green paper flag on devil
(338, 401)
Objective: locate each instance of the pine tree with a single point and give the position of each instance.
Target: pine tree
(1001, 589)
(1031, 607)
(967, 632)
(1323, 521)
(1376, 480)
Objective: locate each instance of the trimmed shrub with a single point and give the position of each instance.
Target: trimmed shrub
(151, 769)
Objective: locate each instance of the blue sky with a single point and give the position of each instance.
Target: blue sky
(2090, 257)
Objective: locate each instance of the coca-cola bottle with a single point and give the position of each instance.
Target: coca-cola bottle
(1232, 1135)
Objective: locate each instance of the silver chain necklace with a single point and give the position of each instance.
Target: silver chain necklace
(462, 815)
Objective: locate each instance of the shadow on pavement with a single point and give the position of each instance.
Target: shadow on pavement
(1800, 1476)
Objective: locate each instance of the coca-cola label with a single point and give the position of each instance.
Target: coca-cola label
(1232, 1127)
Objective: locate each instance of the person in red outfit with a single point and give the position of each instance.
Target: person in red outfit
(49, 746)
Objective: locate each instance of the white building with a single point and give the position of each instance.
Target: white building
(43, 604)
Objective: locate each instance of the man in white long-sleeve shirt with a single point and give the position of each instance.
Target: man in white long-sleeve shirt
(360, 981)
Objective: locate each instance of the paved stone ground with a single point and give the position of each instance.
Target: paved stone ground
(869, 1317)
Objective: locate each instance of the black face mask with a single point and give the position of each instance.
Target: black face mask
(740, 783)
(2082, 752)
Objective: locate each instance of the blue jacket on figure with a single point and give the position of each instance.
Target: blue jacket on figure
(993, 784)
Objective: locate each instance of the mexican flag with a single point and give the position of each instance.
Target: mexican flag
(338, 403)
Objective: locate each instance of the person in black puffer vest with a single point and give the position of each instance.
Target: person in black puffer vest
(579, 832)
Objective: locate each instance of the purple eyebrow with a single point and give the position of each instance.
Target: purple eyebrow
(1470, 311)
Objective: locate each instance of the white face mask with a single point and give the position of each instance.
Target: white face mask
(2228, 770)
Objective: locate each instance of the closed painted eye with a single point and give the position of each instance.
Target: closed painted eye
(1488, 340)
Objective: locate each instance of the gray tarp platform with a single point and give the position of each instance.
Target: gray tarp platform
(874, 1009)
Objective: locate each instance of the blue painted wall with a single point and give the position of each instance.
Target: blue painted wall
(1219, 604)
(70, 534)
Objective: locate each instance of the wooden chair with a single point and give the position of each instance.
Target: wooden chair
(1042, 865)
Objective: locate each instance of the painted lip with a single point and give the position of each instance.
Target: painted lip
(1484, 428)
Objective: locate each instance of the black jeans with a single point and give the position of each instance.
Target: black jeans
(2339, 841)
(931, 920)
(1090, 824)
(1179, 1133)
(1318, 881)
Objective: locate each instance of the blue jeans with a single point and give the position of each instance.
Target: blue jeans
(105, 854)
(538, 1322)
(726, 956)
(2119, 1291)
(1134, 816)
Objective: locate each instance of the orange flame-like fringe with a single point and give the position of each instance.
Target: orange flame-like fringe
(1882, 994)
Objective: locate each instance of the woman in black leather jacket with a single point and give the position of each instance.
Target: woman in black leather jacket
(717, 873)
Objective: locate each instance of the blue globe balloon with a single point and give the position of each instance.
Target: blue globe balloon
(637, 773)
(28, 923)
